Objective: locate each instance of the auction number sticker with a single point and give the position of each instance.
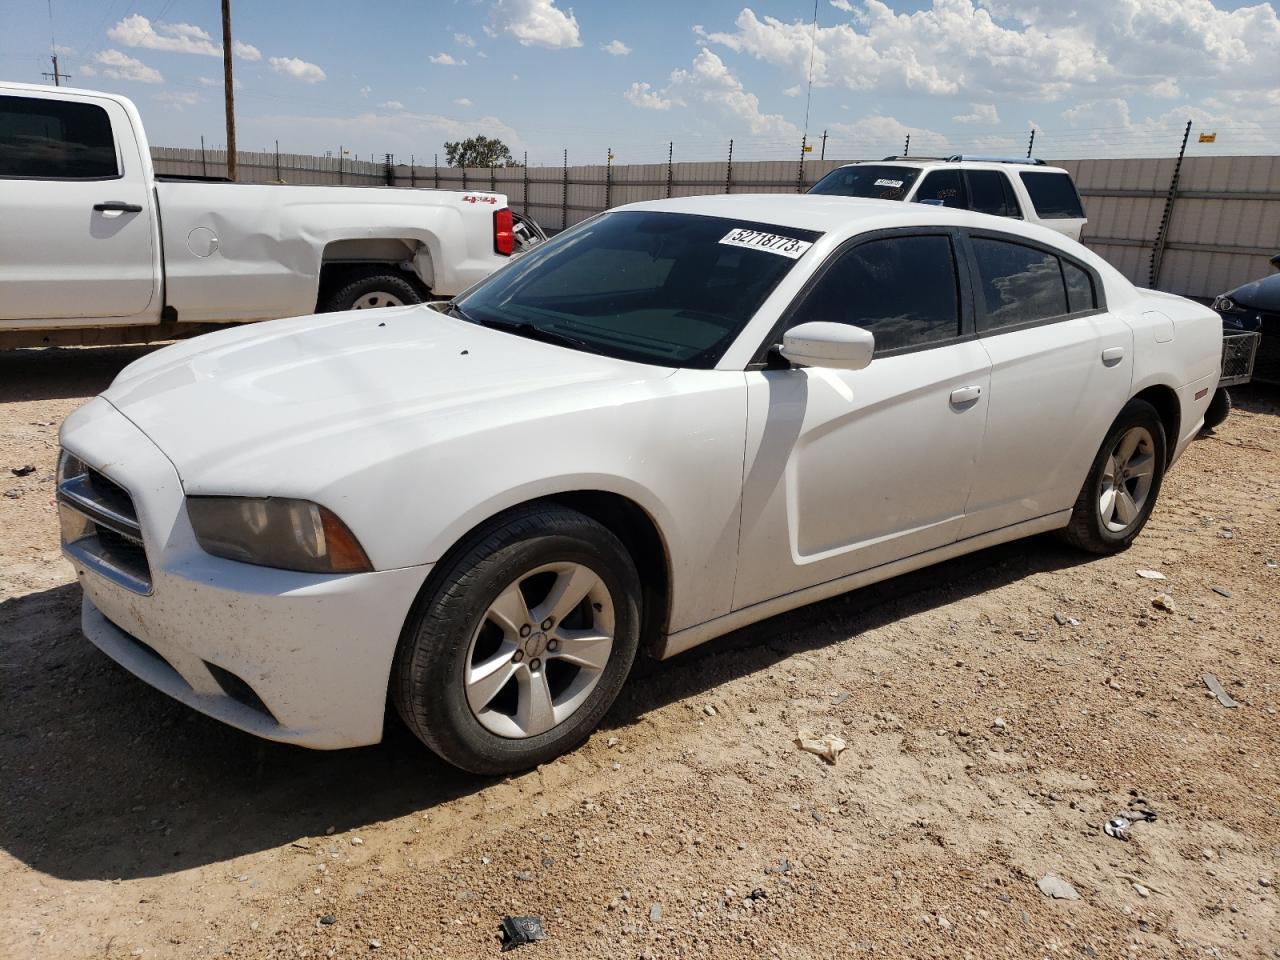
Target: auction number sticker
(888, 183)
(770, 242)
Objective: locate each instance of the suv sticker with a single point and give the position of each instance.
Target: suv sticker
(888, 183)
(769, 242)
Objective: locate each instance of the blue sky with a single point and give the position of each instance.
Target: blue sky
(1095, 77)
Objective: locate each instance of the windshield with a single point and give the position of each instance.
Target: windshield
(665, 288)
(871, 180)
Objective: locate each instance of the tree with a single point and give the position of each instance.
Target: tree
(478, 151)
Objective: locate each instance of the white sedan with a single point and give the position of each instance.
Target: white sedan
(675, 419)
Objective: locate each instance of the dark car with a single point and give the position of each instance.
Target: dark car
(1255, 308)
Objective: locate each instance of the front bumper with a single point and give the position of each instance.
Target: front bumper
(300, 658)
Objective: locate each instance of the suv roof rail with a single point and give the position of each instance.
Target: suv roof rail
(960, 157)
(917, 157)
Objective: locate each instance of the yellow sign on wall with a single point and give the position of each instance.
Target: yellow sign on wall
(1208, 138)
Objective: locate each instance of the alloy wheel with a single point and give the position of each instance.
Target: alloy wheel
(540, 650)
(1126, 479)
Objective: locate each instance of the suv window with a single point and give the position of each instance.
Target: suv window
(1017, 284)
(944, 185)
(55, 139)
(1053, 195)
(902, 289)
(989, 193)
(873, 180)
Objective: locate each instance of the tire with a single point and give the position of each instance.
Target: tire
(1089, 529)
(1219, 409)
(369, 287)
(453, 636)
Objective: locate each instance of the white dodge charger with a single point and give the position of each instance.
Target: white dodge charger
(675, 419)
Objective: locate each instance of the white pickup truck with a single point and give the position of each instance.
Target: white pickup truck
(97, 248)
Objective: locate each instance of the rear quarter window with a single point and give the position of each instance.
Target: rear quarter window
(1053, 195)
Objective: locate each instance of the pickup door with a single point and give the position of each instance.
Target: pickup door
(78, 238)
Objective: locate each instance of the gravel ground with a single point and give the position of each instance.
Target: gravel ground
(987, 744)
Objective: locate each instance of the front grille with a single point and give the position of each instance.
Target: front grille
(1238, 350)
(100, 526)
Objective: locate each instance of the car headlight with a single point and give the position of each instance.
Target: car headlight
(276, 532)
(1223, 304)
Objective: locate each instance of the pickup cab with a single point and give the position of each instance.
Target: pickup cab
(97, 248)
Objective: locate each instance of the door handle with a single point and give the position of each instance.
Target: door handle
(1112, 355)
(117, 206)
(963, 395)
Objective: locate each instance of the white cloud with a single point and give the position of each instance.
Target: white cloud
(211, 82)
(984, 113)
(138, 31)
(366, 90)
(464, 40)
(1047, 49)
(537, 23)
(644, 96)
(881, 134)
(462, 102)
(616, 47)
(63, 51)
(391, 105)
(121, 66)
(1166, 89)
(708, 80)
(446, 60)
(794, 91)
(297, 69)
(178, 99)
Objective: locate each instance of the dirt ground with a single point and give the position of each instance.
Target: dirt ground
(987, 745)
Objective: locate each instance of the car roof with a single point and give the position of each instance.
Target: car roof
(961, 164)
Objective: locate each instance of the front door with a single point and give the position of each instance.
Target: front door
(78, 238)
(847, 470)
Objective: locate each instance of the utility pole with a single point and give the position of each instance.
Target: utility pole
(1031, 142)
(823, 154)
(906, 147)
(57, 77)
(229, 89)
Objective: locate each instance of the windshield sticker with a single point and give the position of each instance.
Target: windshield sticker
(888, 183)
(770, 242)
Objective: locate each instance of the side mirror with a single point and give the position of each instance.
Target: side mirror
(822, 344)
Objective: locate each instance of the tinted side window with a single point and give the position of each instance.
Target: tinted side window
(902, 289)
(944, 185)
(987, 192)
(1011, 199)
(55, 138)
(1054, 195)
(1017, 284)
(1080, 295)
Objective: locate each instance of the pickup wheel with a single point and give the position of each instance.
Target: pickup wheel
(520, 644)
(370, 287)
(1123, 483)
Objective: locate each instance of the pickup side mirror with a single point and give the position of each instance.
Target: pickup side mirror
(823, 344)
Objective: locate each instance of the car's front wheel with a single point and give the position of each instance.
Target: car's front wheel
(1123, 483)
(521, 643)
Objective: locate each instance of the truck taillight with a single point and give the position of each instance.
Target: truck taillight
(504, 239)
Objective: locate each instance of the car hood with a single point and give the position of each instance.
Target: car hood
(264, 401)
(1261, 294)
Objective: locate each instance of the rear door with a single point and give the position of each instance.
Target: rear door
(990, 192)
(1061, 369)
(850, 469)
(77, 238)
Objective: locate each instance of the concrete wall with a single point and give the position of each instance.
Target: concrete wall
(1225, 221)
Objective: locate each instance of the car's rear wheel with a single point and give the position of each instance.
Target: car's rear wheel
(520, 645)
(1123, 483)
(369, 288)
